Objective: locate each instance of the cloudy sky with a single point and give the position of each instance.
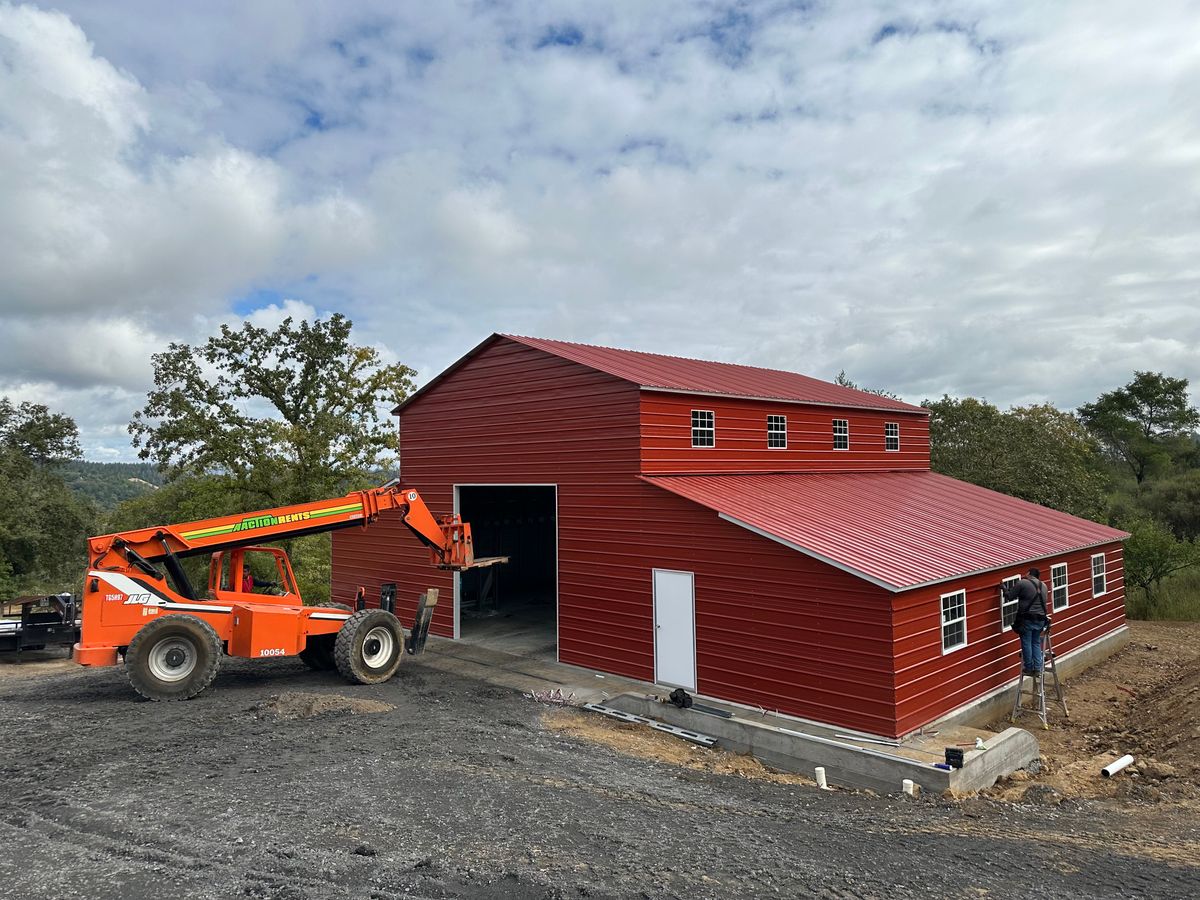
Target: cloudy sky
(997, 199)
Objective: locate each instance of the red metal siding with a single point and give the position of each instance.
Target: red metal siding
(930, 684)
(741, 433)
(513, 414)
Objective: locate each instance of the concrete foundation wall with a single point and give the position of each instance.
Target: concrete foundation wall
(845, 765)
(999, 703)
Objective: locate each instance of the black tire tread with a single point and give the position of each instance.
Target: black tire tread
(346, 647)
(145, 635)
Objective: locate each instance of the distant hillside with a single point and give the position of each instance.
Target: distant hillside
(107, 484)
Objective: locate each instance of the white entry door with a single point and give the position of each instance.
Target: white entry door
(674, 629)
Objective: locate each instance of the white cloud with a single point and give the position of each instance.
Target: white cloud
(272, 315)
(95, 221)
(983, 199)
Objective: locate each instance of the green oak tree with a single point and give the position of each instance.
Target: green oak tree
(43, 525)
(1152, 554)
(1145, 424)
(280, 415)
(1175, 502)
(1037, 453)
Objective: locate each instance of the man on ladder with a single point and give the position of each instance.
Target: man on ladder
(1032, 624)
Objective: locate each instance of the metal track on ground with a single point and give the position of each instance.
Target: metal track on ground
(704, 740)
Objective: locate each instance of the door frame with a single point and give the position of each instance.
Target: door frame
(557, 561)
(654, 623)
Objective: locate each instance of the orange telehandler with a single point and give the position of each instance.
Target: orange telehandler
(139, 603)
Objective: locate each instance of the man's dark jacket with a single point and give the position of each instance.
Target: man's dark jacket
(1031, 598)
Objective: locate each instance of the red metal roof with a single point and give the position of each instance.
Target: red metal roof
(656, 372)
(898, 530)
(696, 376)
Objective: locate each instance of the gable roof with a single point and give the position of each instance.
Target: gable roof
(898, 530)
(654, 371)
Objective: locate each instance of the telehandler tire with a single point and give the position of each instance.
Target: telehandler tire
(369, 647)
(175, 657)
(318, 652)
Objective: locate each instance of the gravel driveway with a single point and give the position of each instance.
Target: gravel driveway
(458, 790)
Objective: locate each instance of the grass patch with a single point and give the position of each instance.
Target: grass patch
(1178, 599)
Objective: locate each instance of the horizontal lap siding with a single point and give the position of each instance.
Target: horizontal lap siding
(741, 429)
(515, 415)
(774, 628)
(930, 684)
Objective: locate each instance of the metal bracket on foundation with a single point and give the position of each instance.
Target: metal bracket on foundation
(695, 737)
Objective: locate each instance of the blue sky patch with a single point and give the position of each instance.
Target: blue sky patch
(560, 36)
(256, 299)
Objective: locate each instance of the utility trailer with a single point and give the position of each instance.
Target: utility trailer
(39, 621)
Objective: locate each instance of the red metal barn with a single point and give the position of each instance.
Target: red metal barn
(752, 535)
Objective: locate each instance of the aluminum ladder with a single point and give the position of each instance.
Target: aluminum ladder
(1037, 686)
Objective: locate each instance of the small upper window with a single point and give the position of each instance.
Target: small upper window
(891, 435)
(1058, 586)
(704, 428)
(1008, 608)
(777, 432)
(841, 434)
(1099, 583)
(954, 621)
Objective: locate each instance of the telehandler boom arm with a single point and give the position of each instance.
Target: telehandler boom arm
(448, 539)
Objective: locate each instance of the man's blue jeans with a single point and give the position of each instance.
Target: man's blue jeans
(1031, 645)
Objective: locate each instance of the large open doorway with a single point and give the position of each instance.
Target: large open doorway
(511, 607)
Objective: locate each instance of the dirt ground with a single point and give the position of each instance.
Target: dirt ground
(283, 783)
(1145, 701)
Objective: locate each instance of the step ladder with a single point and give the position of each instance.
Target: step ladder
(1037, 686)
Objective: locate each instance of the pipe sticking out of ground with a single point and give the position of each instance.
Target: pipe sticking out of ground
(1114, 767)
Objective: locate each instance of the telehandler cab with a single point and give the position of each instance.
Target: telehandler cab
(138, 602)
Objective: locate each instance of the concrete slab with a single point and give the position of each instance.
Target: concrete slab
(522, 630)
(785, 743)
(523, 673)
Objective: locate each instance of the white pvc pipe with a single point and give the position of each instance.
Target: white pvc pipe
(907, 785)
(1114, 767)
(821, 782)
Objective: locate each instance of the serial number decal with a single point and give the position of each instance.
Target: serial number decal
(273, 652)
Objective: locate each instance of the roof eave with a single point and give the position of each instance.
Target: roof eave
(904, 408)
(453, 367)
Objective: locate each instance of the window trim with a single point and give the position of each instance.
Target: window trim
(1066, 587)
(846, 434)
(711, 428)
(1004, 582)
(1103, 575)
(943, 621)
(887, 437)
(770, 434)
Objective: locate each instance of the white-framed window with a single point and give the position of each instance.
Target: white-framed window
(704, 428)
(1058, 586)
(891, 436)
(954, 621)
(777, 432)
(1099, 582)
(1008, 608)
(841, 434)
